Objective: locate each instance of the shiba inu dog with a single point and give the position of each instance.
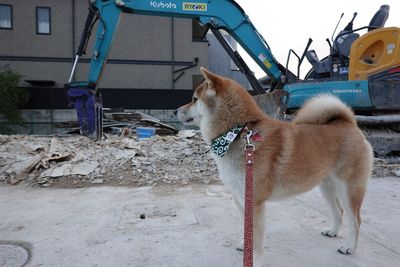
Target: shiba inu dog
(321, 146)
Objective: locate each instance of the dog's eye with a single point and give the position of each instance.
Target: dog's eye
(194, 99)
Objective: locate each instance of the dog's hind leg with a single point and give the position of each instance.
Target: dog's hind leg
(329, 191)
(352, 197)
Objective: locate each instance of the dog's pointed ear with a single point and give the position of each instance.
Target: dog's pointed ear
(211, 80)
(209, 76)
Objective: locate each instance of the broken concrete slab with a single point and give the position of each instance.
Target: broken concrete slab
(81, 168)
(19, 169)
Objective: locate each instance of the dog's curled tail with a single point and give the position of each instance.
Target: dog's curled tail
(323, 109)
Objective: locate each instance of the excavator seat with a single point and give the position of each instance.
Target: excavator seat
(318, 65)
(380, 18)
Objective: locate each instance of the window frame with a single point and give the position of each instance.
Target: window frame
(11, 17)
(37, 20)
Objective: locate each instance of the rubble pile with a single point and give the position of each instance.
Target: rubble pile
(386, 167)
(76, 161)
(123, 159)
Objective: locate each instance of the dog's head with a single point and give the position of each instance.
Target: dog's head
(217, 105)
(203, 100)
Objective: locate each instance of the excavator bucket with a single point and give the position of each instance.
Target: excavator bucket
(273, 103)
(89, 110)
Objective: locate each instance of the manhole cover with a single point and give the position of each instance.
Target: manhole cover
(13, 255)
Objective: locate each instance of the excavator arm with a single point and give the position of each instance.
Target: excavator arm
(216, 14)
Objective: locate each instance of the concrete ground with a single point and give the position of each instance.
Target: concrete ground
(186, 226)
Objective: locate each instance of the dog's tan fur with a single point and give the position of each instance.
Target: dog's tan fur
(321, 146)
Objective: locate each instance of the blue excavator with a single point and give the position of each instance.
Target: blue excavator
(361, 69)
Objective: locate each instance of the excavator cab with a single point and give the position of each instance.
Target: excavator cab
(373, 56)
(337, 64)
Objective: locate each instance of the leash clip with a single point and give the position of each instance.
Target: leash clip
(249, 145)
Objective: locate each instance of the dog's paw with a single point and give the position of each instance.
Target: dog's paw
(329, 233)
(240, 246)
(346, 249)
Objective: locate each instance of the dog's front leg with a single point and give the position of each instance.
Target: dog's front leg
(258, 234)
(239, 205)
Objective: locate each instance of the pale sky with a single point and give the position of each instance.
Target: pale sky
(288, 24)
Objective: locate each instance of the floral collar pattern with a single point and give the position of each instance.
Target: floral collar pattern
(220, 145)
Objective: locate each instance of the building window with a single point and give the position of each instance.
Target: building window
(43, 20)
(197, 80)
(5, 17)
(198, 32)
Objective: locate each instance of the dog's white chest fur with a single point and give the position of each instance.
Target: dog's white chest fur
(232, 176)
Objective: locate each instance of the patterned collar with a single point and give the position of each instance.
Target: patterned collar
(220, 145)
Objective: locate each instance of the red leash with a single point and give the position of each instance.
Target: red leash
(248, 204)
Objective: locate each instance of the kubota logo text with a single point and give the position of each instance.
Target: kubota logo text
(161, 4)
(188, 6)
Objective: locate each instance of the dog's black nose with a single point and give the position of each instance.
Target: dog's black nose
(176, 112)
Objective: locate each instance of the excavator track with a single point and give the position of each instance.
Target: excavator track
(382, 131)
(384, 142)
